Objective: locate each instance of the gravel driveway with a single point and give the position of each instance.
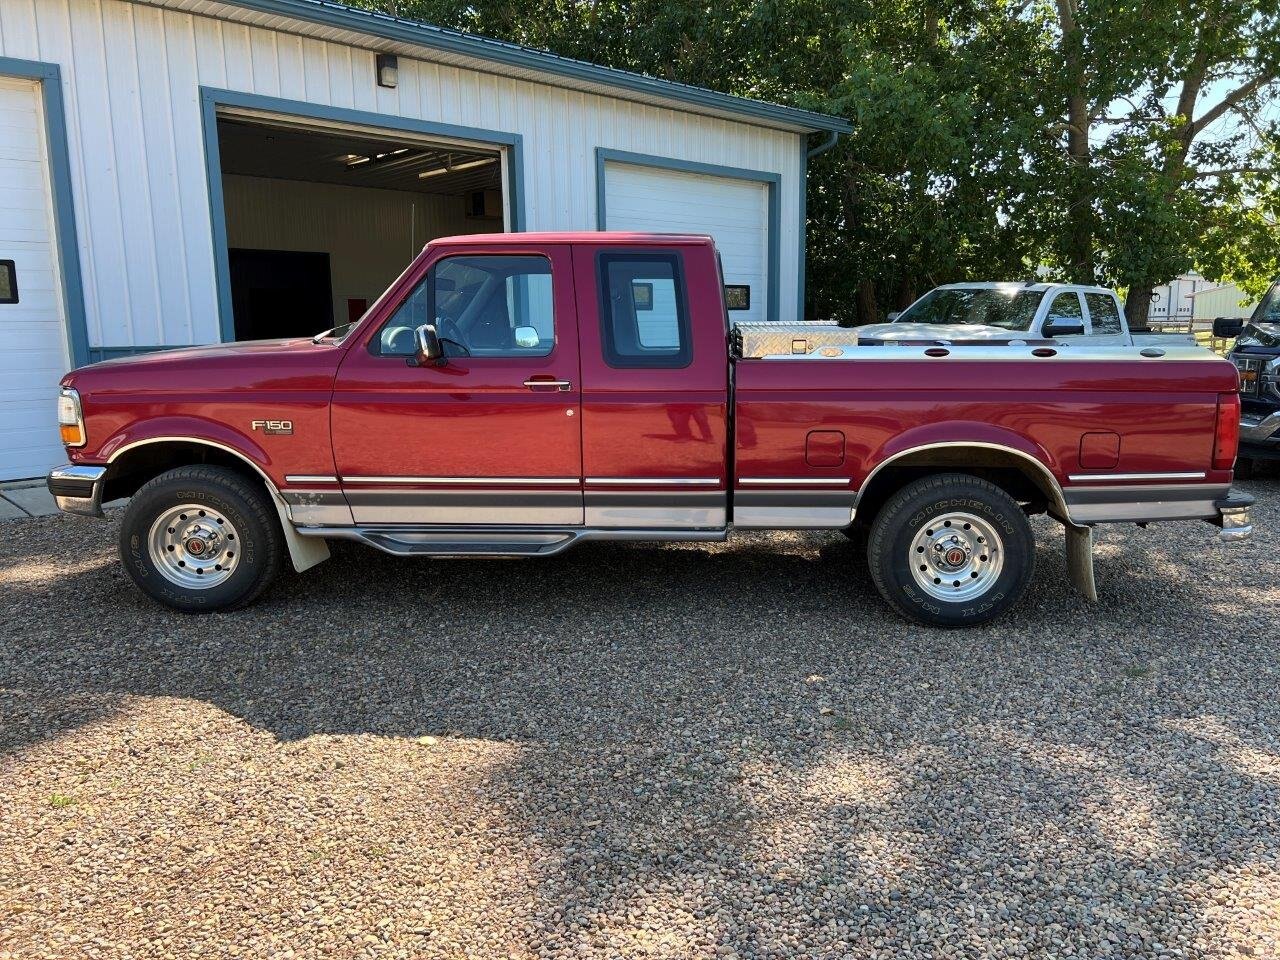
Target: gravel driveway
(636, 751)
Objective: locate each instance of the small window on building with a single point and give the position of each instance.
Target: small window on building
(1103, 313)
(643, 311)
(489, 306)
(8, 282)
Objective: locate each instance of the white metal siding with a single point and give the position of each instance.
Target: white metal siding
(131, 76)
(33, 353)
(735, 212)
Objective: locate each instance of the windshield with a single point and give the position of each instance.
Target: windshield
(1009, 308)
(1269, 309)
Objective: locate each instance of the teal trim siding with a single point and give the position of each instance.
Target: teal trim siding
(64, 214)
(498, 52)
(772, 180)
(801, 265)
(211, 99)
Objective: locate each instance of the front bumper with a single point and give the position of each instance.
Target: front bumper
(77, 488)
(1233, 517)
(1260, 435)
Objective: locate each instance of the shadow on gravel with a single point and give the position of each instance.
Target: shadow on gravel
(741, 742)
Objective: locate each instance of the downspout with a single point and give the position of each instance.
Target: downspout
(804, 216)
(824, 146)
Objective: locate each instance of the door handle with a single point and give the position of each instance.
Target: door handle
(561, 385)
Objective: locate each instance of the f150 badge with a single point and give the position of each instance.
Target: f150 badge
(283, 428)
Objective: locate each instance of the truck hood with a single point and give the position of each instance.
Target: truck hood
(1258, 334)
(239, 349)
(216, 368)
(936, 331)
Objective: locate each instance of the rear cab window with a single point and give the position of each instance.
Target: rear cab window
(644, 312)
(1104, 315)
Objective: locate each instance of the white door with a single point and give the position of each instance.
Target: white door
(33, 346)
(735, 212)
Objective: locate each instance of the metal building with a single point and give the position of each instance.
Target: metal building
(188, 171)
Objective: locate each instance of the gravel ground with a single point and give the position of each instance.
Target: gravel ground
(634, 751)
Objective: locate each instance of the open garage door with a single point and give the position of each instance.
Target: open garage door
(320, 220)
(734, 211)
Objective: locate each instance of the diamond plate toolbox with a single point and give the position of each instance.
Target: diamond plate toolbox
(756, 340)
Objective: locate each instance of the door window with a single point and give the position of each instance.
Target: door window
(1103, 315)
(482, 306)
(643, 311)
(1066, 307)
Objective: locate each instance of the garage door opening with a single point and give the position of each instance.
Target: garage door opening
(320, 221)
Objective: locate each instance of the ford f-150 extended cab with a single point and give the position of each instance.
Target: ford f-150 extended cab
(511, 395)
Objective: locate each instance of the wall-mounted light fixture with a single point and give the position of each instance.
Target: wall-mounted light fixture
(388, 68)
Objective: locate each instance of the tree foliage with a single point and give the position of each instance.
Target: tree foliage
(1120, 141)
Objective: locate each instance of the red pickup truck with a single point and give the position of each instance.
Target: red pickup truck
(512, 395)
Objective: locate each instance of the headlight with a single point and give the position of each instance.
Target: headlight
(70, 418)
(1271, 377)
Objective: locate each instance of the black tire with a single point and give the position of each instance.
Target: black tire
(893, 544)
(242, 501)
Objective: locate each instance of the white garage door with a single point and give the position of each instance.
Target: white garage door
(735, 212)
(33, 354)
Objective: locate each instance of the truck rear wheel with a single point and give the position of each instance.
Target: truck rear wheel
(201, 538)
(951, 550)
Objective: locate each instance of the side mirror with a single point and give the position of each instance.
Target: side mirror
(1227, 327)
(893, 316)
(1062, 327)
(427, 348)
(527, 337)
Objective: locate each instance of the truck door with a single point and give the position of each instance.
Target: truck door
(654, 385)
(491, 435)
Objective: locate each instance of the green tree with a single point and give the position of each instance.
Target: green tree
(1154, 137)
(1112, 140)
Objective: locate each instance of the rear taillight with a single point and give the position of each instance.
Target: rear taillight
(1226, 432)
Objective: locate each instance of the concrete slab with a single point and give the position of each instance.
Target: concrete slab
(10, 511)
(36, 500)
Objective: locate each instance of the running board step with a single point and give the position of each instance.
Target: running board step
(492, 542)
(412, 543)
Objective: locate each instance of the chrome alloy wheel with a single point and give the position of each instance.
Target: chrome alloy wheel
(194, 546)
(956, 557)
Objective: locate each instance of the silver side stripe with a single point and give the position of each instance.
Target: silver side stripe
(1091, 477)
(653, 481)
(309, 478)
(794, 481)
(472, 481)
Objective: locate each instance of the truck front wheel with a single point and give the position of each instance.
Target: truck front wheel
(951, 550)
(201, 538)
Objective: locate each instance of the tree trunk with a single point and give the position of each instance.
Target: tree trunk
(1080, 225)
(867, 310)
(1136, 307)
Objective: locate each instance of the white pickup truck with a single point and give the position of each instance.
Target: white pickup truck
(1026, 311)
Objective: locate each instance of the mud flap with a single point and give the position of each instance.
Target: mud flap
(1080, 560)
(304, 552)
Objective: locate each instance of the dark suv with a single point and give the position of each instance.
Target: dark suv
(1256, 355)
